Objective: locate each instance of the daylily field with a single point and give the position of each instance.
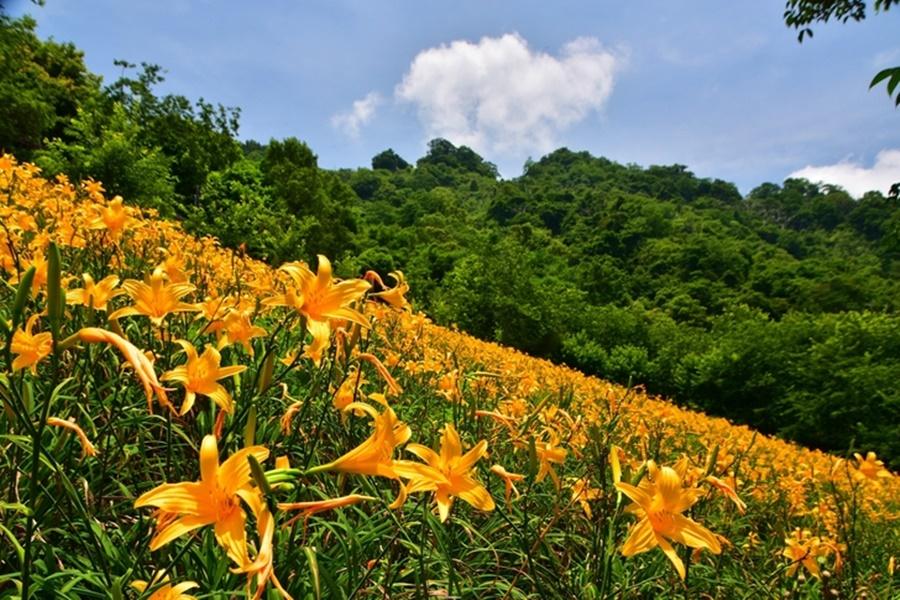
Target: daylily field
(181, 421)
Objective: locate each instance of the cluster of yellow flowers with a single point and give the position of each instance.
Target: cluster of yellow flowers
(226, 490)
(540, 410)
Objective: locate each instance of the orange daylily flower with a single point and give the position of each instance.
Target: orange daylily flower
(213, 309)
(315, 350)
(237, 329)
(308, 509)
(395, 296)
(87, 448)
(96, 295)
(155, 298)
(615, 464)
(263, 566)
(93, 188)
(549, 453)
(375, 455)
(30, 348)
(39, 261)
(729, 491)
(509, 481)
(173, 265)
(143, 368)
(167, 591)
(320, 299)
(583, 493)
(870, 467)
(448, 387)
(214, 500)
(113, 217)
(200, 375)
(392, 384)
(448, 474)
(803, 548)
(288, 416)
(659, 501)
(346, 393)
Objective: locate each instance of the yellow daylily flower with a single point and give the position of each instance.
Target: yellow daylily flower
(346, 393)
(155, 298)
(263, 566)
(200, 375)
(308, 509)
(448, 474)
(139, 361)
(509, 481)
(214, 500)
(659, 501)
(393, 386)
(96, 295)
(30, 348)
(167, 591)
(583, 493)
(94, 189)
(615, 464)
(395, 296)
(213, 309)
(870, 467)
(803, 548)
(729, 491)
(375, 455)
(114, 217)
(40, 263)
(321, 299)
(549, 453)
(237, 329)
(87, 448)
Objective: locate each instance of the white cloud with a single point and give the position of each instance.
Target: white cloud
(856, 178)
(498, 96)
(360, 114)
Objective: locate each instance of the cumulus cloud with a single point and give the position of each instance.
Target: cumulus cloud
(362, 111)
(499, 96)
(856, 178)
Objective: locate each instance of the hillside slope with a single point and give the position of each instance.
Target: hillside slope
(338, 390)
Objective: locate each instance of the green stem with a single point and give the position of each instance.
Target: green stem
(33, 476)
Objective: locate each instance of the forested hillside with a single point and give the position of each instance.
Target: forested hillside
(776, 309)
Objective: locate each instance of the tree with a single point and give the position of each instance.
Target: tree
(322, 204)
(42, 86)
(198, 137)
(389, 161)
(443, 152)
(239, 210)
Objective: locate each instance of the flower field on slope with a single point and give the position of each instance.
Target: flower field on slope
(182, 421)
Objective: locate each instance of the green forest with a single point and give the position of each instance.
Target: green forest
(776, 309)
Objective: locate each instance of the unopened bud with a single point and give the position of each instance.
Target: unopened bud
(265, 375)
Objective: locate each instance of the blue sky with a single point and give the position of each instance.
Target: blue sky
(722, 87)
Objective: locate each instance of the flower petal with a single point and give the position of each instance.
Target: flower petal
(640, 540)
(693, 534)
(176, 529)
(184, 498)
(638, 495)
(232, 536)
(672, 555)
(235, 471)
